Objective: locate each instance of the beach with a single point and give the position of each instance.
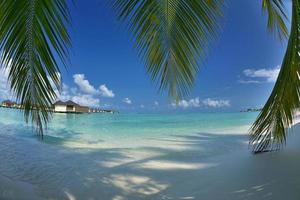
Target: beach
(170, 164)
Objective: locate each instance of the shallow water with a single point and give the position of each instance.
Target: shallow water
(117, 156)
(116, 129)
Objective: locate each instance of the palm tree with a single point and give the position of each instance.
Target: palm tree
(172, 37)
(33, 34)
(269, 130)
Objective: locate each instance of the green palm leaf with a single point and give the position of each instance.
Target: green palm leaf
(269, 130)
(277, 17)
(33, 34)
(171, 37)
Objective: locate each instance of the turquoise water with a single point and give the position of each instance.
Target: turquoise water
(122, 156)
(117, 129)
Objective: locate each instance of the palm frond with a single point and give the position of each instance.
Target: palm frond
(171, 37)
(33, 38)
(277, 17)
(269, 129)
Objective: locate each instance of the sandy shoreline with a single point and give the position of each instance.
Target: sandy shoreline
(208, 169)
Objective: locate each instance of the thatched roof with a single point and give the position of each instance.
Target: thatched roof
(9, 102)
(66, 103)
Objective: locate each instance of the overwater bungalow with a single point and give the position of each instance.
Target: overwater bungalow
(9, 104)
(69, 107)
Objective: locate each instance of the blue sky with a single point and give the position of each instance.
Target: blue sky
(105, 70)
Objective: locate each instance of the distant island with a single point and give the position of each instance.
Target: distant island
(61, 107)
(251, 110)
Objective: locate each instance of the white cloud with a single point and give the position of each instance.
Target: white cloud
(105, 92)
(64, 94)
(216, 103)
(196, 103)
(4, 86)
(87, 88)
(188, 103)
(156, 103)
(127, 100)
(86, 100)
(261, 75)
(142, 106)
(183, 104)
(82, 99)
(84, 85)
(86, 95)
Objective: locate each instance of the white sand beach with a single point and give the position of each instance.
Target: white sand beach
(196, 170)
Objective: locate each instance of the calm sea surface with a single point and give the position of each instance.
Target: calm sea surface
(118, 129)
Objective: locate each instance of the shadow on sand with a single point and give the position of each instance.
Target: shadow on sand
(199, 166)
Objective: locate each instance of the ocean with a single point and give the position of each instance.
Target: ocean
(118, 156)
(115, 130)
